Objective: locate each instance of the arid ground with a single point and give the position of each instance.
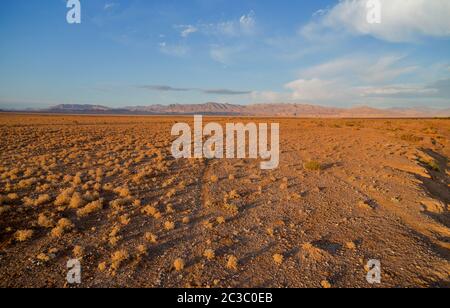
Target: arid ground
(106, 190)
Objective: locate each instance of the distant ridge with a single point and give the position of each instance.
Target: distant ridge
(269, 110)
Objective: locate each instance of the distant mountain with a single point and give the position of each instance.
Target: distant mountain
(82, 108)
(278, 110)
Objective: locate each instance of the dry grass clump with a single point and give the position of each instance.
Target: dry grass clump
(350, 245)
(64, 197)
(313, 165)
(232, 263)
(169, 225)
(178, 264)
(118, 258)
(43, 257)
(64, 225)
(76, 201)
(209, 254)
(45, 222)
(123, 192)
(142, 250)
(151, 211)
(150, 237)
(411, 138)
(214, 179)
(278, 258)
(78, 252)
(102, 266)
(125, 219)
(90, 208)
(325, 284)
(23, 235)
(220, 220)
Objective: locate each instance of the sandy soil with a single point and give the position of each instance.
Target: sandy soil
(106, 190)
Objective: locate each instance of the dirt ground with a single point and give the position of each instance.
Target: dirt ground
(106, 191)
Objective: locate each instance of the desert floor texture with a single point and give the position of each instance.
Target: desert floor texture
(106, 191)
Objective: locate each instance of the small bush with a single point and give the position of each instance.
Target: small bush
(23, 235)
(44, 221)
(278, 258)
(232, 263)
(118, 258)
(150, 237)
(178, 264)
(90, 208)
(313, 165)
(411, 138)
(209, 254)
(169, 225)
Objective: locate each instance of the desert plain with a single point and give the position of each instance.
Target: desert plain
(106, 191)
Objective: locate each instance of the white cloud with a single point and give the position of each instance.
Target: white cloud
(244, 26)
(402, 20)
(366, 68)
(186, 30)
(224, 54)
(316, 90)
(248, 22)
(173, 50)
(109, 6)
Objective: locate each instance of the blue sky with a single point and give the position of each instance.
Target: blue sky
(141, 52)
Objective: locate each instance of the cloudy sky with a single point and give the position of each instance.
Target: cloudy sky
(141, 52)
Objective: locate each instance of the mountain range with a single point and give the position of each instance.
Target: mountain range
(269, 110)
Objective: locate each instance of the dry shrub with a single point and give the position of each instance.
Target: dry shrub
(124, 220)
(102, 266)
(76, 201)
(214, 179)
(142, 250)
(411, 138)
(220, 220)
(169, 225)
(23, 235)
(11, 198)
(78, 252)
(150, 237)
(118, 258)
(231, 208)
(42, 199)
(151, 211)
(178, 264)
(278, 258)
(44, 221)
(64, 197)
(43, 257)
(325, 284)
(209, 254)
(186, 220)
(350, 245)
(64, 225)
(232, 263)
(123, 192)
(28, 201)
(90, 208)
(313, 165)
